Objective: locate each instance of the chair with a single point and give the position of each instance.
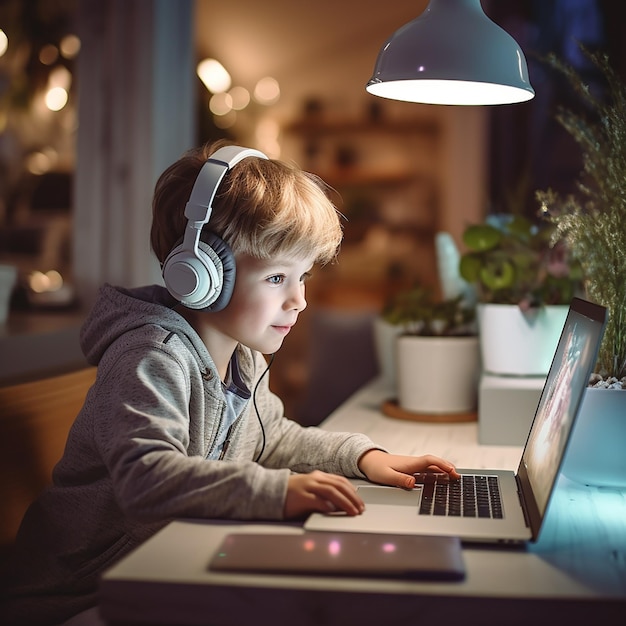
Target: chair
(35, 418)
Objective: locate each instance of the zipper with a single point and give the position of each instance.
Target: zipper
(229, 434)
(227, 441)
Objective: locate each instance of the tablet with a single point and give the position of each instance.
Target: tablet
(352, 554)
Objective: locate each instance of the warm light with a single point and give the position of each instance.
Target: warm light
(55, 280)
(4, 42)
(221, 104)
(60, 76)
(48, 54)
(40, 282)
(214, 75)
(69, 46)
(240, 98)
(267, 91)
(56, 98)
(38, 163)
(449, 91)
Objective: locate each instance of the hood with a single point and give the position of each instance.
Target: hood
(118, 310)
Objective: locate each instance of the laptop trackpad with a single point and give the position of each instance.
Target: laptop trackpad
(389, 496)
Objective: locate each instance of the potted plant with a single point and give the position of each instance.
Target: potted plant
(593, 223)
(437, 353)
(524, 282)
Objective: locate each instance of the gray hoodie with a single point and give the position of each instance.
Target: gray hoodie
(136, 456)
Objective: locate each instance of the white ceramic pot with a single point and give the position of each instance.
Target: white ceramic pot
(514, 343)
(437, 375)
(385, 335)
(596, 454)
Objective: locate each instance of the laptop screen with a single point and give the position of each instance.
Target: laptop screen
(562, 394)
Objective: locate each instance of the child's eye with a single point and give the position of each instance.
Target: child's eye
(277, 279)
(305, 277)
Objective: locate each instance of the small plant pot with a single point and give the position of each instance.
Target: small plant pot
(385, 335)
(437, 375)
(514, 343)
(595, 454)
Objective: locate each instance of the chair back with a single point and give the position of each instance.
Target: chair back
(35, 418)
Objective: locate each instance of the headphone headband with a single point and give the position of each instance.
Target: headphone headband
(198, 208)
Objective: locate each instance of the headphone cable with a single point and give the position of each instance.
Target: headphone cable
(256, 408)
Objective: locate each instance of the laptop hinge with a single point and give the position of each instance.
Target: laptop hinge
(522, 501)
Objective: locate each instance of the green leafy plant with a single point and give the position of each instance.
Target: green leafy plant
(593, 221)
(511, 260)
(419, 312)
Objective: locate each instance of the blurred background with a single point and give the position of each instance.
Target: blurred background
(98, 97)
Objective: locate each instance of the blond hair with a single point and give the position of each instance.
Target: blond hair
(263, 208)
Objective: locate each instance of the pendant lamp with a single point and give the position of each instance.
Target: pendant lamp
(452, 54)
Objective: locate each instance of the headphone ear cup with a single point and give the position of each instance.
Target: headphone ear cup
(204, 281)
(220, 254)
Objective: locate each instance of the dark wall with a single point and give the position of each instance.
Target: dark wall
(529, 149)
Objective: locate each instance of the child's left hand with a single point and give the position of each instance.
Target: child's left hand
(397, 470)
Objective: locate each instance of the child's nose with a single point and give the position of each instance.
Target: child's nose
(296, 299)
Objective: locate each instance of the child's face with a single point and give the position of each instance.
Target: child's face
(266, 301)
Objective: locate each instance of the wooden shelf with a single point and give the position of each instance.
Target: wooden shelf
(346, 177)
(349, 126)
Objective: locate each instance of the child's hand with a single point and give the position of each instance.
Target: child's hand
(396, 470)
(319, 491)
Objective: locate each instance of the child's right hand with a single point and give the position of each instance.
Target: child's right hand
(322, 492)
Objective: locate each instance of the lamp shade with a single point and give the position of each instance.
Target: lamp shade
(452, 54)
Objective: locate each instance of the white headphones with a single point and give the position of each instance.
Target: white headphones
(200, 272)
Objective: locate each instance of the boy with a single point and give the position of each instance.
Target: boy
(180, 421)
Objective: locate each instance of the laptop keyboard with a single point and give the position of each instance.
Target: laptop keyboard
(470, 496)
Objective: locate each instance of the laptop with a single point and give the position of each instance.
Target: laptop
(494, 506)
